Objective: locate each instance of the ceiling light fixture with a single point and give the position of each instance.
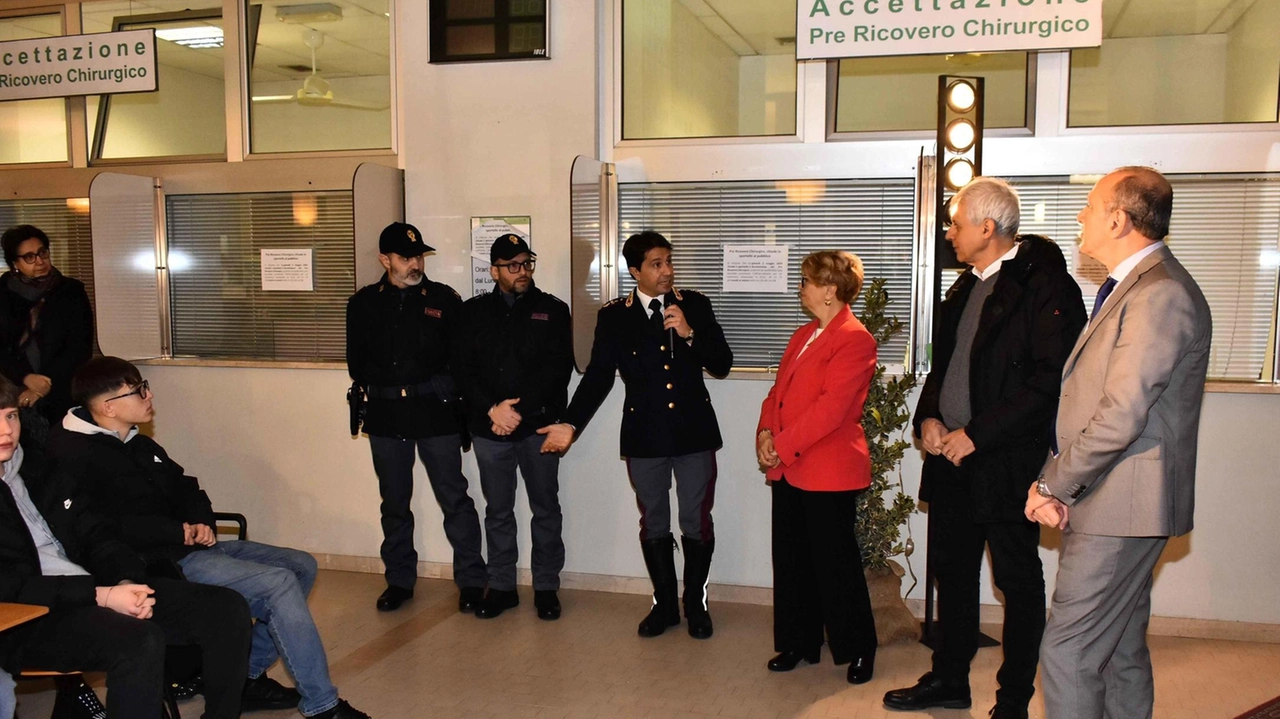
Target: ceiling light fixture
(309, 13)
(195, 36)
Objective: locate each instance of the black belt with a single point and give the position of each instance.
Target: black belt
(422, 389)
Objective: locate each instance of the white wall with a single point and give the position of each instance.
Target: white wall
(186, 117)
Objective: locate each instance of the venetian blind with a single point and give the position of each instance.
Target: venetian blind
(217, 303)
(1225, 230)
(872, 219)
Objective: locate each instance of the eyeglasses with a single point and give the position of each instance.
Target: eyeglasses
(141, 390)
(515, 267)
(31, 257)
(804, 281)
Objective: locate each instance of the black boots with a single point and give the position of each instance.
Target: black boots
(697, 567)
(659, 559)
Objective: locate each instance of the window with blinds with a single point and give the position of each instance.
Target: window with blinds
(66, 222)
(872, 219)
(217, 305)
(1225, 230)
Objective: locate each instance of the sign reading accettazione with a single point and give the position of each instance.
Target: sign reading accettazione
(100, 64)
(872, 28)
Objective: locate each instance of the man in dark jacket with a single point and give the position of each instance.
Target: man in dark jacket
(55, 552)
(514, 362)
(401, 332)
(985, 418)
(166, 517)
(660, 339)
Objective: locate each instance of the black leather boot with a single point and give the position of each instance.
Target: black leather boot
(659, 559)
(697, 567)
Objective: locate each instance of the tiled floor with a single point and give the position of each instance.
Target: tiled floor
(427, 660)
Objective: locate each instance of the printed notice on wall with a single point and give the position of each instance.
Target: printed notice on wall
(287, 271)
(484, 230)
(755, 268)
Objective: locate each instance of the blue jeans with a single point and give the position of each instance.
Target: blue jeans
(8, 703)
(275, 581)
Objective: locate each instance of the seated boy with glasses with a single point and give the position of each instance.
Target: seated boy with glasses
(57, 554)
(167, 518)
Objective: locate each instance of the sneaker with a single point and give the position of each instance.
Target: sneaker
(266, 693)
(342, 711)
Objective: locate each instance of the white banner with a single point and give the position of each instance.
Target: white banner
(99, 64)
(873, 28)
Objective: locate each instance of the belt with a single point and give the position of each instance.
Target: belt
(422, 389)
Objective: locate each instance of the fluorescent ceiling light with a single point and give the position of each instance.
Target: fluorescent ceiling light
(196, 36)
(309, 13)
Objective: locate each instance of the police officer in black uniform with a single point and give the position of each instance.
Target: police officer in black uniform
(515, 358)
(660, 339)
(400, 332)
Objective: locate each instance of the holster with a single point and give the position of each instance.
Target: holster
(356, 404)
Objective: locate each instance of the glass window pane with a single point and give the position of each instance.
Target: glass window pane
(320, 85)
(901, 93)
(187, 115)
(725, 69)
(1179, 62)
(32, 130)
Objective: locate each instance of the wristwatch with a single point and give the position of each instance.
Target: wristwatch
(1042, 488)
(690, 337)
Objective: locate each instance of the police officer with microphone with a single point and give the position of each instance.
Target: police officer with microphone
(400, 335)
(660, 339)
(514, 363)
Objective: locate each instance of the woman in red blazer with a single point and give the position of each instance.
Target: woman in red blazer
(811, 445)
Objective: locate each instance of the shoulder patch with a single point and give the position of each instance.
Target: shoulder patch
(695, 293)
(612, 302)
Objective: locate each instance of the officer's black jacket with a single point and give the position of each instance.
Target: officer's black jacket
(400, 339)
(667, 411)
(524, 351)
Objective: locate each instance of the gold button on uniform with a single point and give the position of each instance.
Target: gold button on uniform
(670, 386)
(662, 348)
(666, 367)
(671, 405)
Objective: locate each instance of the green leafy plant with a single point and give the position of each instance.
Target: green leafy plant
(879, 525)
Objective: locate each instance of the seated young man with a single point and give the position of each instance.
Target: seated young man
(56, 554)
(165, 516)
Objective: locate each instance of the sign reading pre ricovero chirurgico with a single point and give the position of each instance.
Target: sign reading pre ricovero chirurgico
(100, 64)
(873, 28)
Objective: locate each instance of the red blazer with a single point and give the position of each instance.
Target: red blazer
(815, 407)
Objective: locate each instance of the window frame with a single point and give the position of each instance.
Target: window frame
(68, 103)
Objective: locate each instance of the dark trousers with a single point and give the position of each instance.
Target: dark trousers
(498, 462)
(818, 579)
(131, 652)
(442, 457)
(955, 550)
(695, 491)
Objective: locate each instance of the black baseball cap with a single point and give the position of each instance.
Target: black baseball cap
(403, 239)
(509, 246)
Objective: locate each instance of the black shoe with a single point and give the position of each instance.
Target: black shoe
(469, 598)
(342, 711)
(547, 604)
(1006, 710)
(861, 669)
(659, 559)
(393, 597)
(76, 700)
(930, 691)
(786, 661)
(496, 602)
(181, 691)
(265, 693)
(697, 566)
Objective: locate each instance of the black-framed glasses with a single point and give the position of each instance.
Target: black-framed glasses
(31, 257)
(514, 267)
(141, 390)
(804, 281)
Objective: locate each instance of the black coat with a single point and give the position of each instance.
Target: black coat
(404, 339)
(87, 539)
(524, 351)
(146, 495)
(1025, 332)
(65, 339)
(667, 411)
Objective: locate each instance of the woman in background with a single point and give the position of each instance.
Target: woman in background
(46, 326)
(811, 444)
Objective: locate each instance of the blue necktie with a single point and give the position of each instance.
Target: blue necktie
(1103, 293)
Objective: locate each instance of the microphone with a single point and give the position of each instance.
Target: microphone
(671, 333)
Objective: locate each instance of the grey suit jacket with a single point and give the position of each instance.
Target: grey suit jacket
(1130, 409)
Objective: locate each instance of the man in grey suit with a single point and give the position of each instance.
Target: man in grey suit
(1122, 478)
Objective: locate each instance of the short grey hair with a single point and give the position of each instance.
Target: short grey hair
(994, 199)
